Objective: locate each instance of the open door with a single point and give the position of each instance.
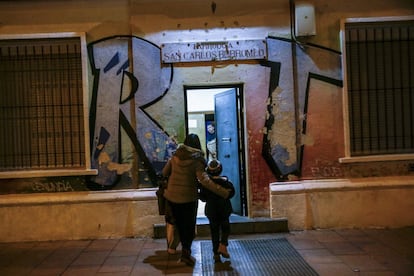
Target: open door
(222, 106)
(228, 142)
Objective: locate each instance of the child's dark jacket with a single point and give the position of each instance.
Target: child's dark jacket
(216, 206)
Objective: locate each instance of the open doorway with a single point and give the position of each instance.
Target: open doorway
(214, 113)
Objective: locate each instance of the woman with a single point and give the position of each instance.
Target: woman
(184, 171)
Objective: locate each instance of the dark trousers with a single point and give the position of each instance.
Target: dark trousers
(185, 215)
(218, 225)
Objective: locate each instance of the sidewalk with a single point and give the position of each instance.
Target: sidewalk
(328, 252)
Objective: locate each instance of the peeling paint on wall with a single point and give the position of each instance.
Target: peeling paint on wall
(301, 136)
(287, 104)
(126, 81)
(279, 142)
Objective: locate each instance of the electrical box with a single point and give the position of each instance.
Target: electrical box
(304, 19)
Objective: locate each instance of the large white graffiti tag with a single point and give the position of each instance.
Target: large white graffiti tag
(126, 69)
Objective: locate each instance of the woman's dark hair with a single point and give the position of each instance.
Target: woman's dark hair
(193, 141)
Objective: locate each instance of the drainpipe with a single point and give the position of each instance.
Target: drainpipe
(295, 85)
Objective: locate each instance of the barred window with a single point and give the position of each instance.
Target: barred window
(379, 70)
(42, 106)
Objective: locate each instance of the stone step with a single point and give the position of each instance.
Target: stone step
(239, 226)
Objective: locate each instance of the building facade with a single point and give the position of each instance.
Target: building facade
(290, 123)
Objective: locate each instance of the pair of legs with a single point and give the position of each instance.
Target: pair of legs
(220, 231)
(185, 215)
(173, 239)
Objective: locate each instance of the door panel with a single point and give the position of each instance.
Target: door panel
(226, 115)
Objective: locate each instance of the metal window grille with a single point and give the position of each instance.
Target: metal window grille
(41, 104)
(380, 79)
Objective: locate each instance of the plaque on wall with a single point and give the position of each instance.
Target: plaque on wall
(213, 51)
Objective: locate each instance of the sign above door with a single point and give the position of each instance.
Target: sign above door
(213, 51)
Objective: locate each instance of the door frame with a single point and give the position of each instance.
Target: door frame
(241, 132)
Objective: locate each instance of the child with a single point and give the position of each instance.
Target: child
(218, 210)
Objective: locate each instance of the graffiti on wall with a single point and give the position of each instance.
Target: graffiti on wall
(286, 115)
(303, 108)
(126, 81)
(128, 77)
(58, 186)
(43, 185)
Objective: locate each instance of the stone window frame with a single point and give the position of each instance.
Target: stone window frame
(371, 151)
(44, 107)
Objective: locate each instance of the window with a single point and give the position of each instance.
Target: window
(379, 95)
(43, 106)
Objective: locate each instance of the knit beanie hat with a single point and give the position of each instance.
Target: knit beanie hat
(214, 167)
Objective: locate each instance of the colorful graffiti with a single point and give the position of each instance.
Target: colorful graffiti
(128, 77)
(302, 135)
(290, 79)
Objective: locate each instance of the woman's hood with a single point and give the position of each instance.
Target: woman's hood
(185, 153)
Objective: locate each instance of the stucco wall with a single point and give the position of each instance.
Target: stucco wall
(78, 215)
(345, 203)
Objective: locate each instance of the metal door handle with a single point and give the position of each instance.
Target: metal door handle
(227, 156)
(226, 139)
